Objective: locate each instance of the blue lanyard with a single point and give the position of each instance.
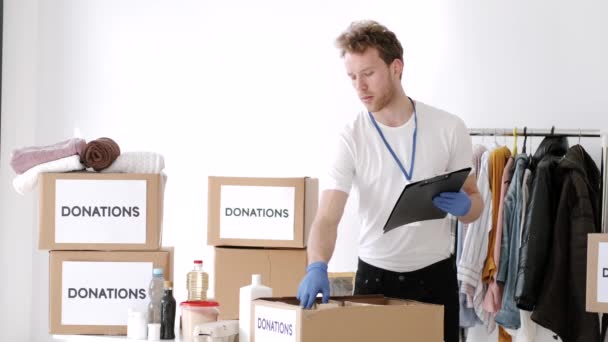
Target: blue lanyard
(407, 175)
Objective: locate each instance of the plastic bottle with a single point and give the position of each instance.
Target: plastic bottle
(247, 294)
(197, 282)
(155, 293)
(167, 313)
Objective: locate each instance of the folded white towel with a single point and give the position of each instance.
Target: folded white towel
(137, 162)
(28, 180)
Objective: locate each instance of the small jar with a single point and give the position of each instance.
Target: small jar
(137, 325)
(195, 313)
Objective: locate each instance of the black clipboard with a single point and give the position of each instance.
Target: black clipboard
(416, 200)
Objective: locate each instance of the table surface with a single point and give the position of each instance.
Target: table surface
(100, 338)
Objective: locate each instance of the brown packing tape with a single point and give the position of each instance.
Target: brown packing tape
(155, 184)
(162, 258)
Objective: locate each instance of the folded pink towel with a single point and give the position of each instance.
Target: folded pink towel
(25, 158)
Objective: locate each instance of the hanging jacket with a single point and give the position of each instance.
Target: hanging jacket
(538, 226)
(550, 146)
(527, 330)
(475, 243)
(561, 304)
(508, 316)
(468, 317)
(496, 166)
(493, 299)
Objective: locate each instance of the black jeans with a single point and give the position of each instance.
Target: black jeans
(434, 284)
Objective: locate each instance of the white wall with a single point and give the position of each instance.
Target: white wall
(19, 112)
(257, 89)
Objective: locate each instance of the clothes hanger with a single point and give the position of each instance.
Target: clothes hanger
(579, 136)
(515, 140)
(531, 145)
(523, 149)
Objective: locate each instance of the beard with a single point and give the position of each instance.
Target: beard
(381, 101)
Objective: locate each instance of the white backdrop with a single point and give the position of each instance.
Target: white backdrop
(239, 88)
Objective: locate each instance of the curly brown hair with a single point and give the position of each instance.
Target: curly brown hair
(364, 34)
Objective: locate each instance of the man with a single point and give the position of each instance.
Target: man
(395, 142)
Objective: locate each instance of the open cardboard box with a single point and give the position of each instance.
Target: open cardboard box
(352, 318)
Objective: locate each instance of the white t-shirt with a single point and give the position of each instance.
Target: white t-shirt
(362, 161)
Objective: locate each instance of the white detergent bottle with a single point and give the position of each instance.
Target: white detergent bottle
(246, 296)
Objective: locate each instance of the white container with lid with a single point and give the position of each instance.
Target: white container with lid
(153, 331)
(221, 331)
(137, 325)
(195, 313)
(246, 296)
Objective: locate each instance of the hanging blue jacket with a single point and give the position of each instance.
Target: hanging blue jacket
(509, 316)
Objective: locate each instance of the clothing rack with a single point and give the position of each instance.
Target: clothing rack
(576, 133)
(521, 132)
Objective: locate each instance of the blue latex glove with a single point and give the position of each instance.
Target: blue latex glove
(455, 203)
(315, 281)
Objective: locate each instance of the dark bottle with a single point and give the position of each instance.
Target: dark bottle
(167, 313)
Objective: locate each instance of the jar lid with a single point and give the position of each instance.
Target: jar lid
(199, 303)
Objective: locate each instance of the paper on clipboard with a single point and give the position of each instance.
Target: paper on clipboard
(415, 203)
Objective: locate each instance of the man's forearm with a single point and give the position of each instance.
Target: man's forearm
(322, 241)
(475, 211)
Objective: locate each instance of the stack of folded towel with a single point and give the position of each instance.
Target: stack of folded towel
(101, 155)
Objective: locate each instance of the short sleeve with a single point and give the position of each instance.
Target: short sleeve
(340, 165)
(461, 153)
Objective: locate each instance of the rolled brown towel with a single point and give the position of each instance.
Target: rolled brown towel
(100, 153)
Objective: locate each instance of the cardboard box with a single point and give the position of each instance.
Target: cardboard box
(97, 211)
(91, 292)
(353, 319)
(281, 269)
(261, 212)
(597, 273)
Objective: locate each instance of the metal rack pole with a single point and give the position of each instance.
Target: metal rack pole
(533, 132)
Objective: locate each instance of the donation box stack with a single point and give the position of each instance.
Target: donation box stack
(259, 226)
(103, 233)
